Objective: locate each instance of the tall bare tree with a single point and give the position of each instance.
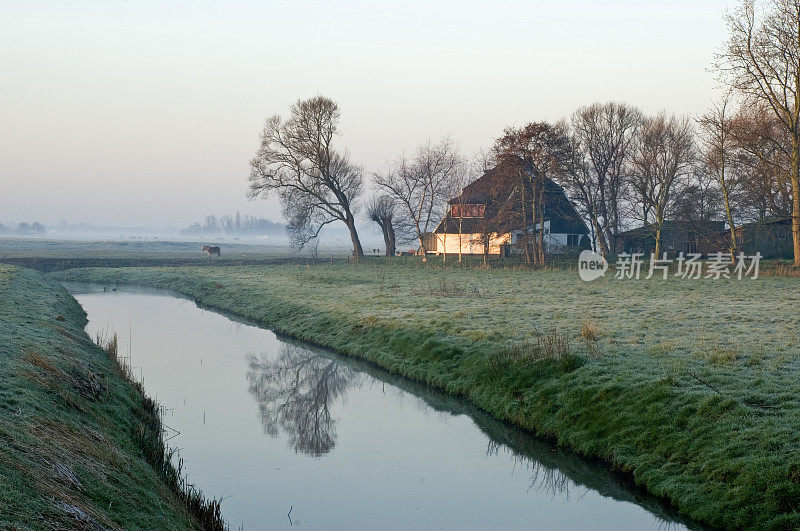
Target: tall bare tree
(381, 210)
(663, 160)
(537, 152)
(718, 157)
(762, 62)
(421, 185)
(317, 185)
(602, 137)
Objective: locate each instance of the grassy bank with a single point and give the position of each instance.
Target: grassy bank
(80, 445)
(690, 386)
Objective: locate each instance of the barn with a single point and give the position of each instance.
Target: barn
(489, 213)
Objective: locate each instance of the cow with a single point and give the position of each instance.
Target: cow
(211, 250)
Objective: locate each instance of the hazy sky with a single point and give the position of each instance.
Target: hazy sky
(147, 112)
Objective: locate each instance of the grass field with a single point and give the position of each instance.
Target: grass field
(692, 387)
(53, 255)
(80, 446)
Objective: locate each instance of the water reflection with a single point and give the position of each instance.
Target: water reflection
(295, 391)
(543, 478)
(552, 470)
(451, 465)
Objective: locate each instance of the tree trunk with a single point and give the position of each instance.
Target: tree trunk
(729, 216)
(658, 242)
(541, 227)
(358, 252)
(391, 247)
(422, 248)
(795, 176)
(533, 224)
(725, 195)
(525, 243)
(796, 198)
(527, 246)
(612, 228)
(600, 237)
(460, 245)
(388, 237)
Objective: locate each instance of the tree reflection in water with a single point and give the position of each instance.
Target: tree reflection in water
(294, 393)
(546, 479)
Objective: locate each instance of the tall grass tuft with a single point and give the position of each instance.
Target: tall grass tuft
(591, 335)
(556, 344)
(553, 345)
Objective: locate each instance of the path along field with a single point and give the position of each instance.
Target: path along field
(692, 386)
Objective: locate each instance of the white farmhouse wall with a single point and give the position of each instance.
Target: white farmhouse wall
(555, 243)
(469, 243)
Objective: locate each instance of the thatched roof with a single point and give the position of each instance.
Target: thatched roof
(502, 190)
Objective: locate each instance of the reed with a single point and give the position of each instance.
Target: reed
(148, 434)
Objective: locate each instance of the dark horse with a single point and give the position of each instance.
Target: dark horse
(211, 250)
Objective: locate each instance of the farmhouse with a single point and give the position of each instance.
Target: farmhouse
(489, 214)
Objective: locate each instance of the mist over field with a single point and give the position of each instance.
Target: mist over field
(145, 114)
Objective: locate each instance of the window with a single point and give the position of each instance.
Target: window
(468, 211)
(572, 240)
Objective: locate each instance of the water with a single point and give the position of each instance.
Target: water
(293, 436)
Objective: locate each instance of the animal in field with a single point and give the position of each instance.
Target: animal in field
(211, 250)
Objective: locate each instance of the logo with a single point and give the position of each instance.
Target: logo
(591, 265)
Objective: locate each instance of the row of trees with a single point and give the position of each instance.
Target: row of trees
(25, 229)
(236, 225)
(620, 167)
(740, 161)
(319, 185)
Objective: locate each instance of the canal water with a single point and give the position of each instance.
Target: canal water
(293, 436)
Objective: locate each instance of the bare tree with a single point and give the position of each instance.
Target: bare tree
(537, 152)
(381, 210)
(317, 185)
(762, 62)
(700, 199)
(718, 155)
(763, 161)
(602, 136)
(663, 159)
(421, 186)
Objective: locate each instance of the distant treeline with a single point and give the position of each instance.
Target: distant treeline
(236, 225)
(25, 229)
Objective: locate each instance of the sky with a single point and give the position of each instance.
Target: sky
(146, 113)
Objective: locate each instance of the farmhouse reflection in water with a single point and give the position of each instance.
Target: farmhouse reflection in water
(294, 394)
